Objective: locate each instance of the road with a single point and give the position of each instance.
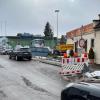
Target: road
(29, 80)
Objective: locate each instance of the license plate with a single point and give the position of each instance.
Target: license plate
(25, 53)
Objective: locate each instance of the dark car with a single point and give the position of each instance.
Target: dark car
(81, 91)
(56, 52)
(21, 53)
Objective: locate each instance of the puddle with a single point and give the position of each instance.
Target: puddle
(37, 88)
(2, 94)
(1, 66)
(33, 86)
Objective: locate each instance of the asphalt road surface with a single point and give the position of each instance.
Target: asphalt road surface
(29, 80)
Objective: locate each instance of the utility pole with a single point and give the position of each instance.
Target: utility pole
(82, 31)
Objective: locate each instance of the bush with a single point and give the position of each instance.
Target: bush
(91, 54)
(55, 56)
(71, 53)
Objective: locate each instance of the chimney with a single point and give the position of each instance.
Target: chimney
(95, 22)
(99, 16)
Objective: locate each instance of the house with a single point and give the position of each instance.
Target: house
(91, 35)
(97, 39)
(86, 33)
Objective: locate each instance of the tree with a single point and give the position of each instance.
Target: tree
(71, 53)
(63, 40)
(48, 31)
(19, 34)
(91, 54)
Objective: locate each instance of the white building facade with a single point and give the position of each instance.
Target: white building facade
(85, 32)
(97, 47)
(91, 34)
(89, 42)
(97, 40)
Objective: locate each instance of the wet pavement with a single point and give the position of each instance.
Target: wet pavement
(29, 80)
(96, 66)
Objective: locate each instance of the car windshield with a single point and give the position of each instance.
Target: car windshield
(25, 49)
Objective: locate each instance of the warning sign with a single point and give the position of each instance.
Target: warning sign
(65, 47)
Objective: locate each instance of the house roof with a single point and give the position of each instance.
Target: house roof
(77, 32)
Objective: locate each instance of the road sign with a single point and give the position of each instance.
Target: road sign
(81, 42)
(64, 47)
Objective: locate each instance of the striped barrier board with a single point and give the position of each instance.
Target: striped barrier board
(72, 69)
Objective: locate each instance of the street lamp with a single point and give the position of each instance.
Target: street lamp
(57, 11)
(1, 27)
(5, 27)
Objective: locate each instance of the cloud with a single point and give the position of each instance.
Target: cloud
(32, 15)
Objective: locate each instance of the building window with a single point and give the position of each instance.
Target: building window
(85, 46)
(92, 43)
(76, 46)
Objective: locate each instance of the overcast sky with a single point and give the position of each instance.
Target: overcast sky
(31, 15)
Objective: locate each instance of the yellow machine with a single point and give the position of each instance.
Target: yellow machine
(65, 47)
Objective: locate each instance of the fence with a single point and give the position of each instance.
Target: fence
(72, 66)
(77, 60)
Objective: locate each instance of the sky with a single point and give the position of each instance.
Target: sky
(31, 16)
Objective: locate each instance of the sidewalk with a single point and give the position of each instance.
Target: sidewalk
(58, 63)
(96, 66)
(48, 61)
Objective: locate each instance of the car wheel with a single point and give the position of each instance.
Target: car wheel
(30, 59)
(17, 58)
(9, 57)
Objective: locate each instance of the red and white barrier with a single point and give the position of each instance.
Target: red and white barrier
(71, 66)
(71, 69)
(78, 60)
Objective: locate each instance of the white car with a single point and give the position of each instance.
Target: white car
(5, 51)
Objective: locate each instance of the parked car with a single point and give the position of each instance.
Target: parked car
(81, 91)
(56, 52)
(2, 52)
(7, 51)
(21, 53)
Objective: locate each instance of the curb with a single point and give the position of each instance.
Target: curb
(55, 63)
